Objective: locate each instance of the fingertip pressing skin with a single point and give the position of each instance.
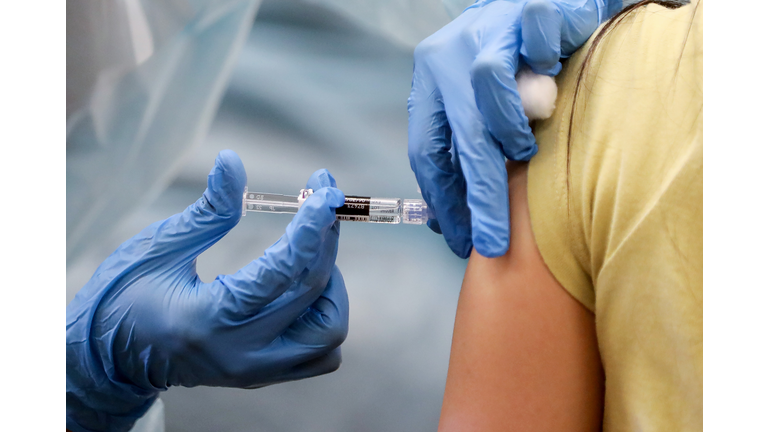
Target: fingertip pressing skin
(488, 200)
(489, 239)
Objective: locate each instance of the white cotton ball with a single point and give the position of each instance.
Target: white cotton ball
(537, 92)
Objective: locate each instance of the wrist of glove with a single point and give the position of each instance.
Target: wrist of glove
(97, 399)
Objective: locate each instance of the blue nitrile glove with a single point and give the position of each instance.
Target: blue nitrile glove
(465, 113)
(145, 321)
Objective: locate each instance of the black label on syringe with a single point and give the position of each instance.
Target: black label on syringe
(355, 209)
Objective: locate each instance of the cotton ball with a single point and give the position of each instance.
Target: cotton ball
(537, 92)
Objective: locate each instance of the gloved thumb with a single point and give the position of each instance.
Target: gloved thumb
(226, 182)
(189, 233)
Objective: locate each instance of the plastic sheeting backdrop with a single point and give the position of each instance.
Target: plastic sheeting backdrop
(314, 86)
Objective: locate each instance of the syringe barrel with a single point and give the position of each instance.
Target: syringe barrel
(370, 209)
(355, 208)
(271, 203)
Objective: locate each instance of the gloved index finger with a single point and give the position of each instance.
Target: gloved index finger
(482, 163)
(436, 169)
(320, 179)
(266, 278)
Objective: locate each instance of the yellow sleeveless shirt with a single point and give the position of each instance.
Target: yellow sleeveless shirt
(620, 225)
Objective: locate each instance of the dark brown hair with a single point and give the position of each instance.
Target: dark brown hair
(609, 25)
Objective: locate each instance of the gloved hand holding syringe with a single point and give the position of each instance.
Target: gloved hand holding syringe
(355, 208)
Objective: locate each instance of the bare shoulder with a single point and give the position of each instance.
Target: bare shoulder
(524, 353)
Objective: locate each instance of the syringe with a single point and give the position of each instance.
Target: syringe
(355, 208)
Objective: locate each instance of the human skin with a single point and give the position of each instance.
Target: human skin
(524, 355)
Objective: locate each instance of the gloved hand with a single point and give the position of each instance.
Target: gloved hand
(145, 321)
(465, 113)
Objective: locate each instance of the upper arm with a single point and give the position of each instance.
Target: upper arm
(524, 354)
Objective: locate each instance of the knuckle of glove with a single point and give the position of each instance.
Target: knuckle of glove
(332, 330)
(335, 334)
(427, 49)
(485, 67)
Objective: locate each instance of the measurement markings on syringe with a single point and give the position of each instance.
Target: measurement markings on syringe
(266, 202)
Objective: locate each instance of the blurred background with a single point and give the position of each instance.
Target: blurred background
(156, 89)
